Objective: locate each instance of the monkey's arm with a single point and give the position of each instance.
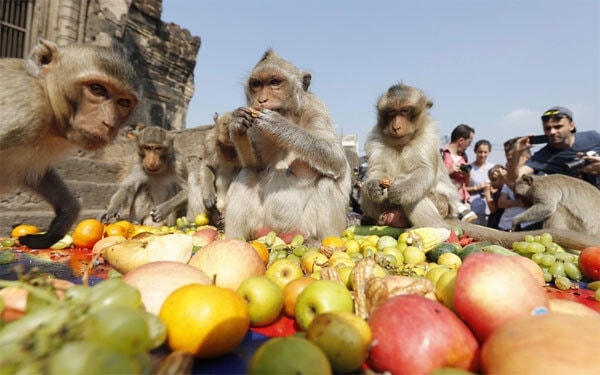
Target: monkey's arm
(544, 205)
(314, 142)
(52, 188)
(206, 181)
(125, 192)
(416, 182)
(238, 131)
(181, 180)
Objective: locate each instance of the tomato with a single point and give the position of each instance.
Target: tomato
(589, 262)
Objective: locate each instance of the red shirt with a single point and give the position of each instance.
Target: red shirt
(459, 178)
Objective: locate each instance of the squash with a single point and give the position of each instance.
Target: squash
(544, 344)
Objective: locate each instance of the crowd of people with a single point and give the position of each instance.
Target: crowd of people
(486, 189)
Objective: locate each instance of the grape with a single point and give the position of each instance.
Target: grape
(547, 275)
(535, 247)
(157, 330)
(78, 294)
(81, 357)
(300, 250)
(529, 238)
(572, 271)
(546, 239)
(124, 330)
(557, 269)
(547, 259)
(537, 257)
(562, 283)
(115, 292)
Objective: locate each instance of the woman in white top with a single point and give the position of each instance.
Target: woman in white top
(479, 180)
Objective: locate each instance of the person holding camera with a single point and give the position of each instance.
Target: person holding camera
(457, 164)
(479, 181)
(563, 153)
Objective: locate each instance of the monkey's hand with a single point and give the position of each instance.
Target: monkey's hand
(160, 212)
(210, 201)
(109, 214)
(373, 190)
(242, 119)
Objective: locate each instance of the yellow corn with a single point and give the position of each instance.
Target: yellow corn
(427, 237)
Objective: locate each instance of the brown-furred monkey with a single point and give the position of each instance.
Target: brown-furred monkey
(218, 166)
(406, 184)
(57, 99)
(295, 177)
(559, 201)
(156, 188)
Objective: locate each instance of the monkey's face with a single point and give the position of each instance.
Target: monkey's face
(100, 112)
(269, 90)
(153, 157)
(395, 122)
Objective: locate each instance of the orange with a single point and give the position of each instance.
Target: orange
(291, 291)
(262, 250)
(332, 241)
(115, 229)
(205, 320)
(23, 229)
(127, 225)
(87, 233)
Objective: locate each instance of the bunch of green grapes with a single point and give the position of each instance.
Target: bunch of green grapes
(558, 265)
(102, 329)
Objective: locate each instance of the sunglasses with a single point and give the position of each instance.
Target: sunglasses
(555, 115)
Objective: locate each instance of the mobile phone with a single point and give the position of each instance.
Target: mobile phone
(538, 139)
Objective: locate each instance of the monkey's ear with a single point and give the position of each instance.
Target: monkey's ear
(429, 104)
(528, 179)
(306, 78)
(215, 117)
(42, 57)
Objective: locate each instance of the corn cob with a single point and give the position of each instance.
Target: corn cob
(427, 237)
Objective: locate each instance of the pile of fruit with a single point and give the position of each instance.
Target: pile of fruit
(381, 299)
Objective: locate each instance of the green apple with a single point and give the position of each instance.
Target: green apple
(264, 298)
(397, 253)
(320, 297)
(282, 271)
(345, 273)
(344, 337)
(289, 355)
(313, 261)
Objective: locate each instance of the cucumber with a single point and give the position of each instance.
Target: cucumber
(378, 230)
(472, 248)
(497, 249)
(444, 247)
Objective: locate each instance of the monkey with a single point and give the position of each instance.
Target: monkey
(295, 177)
(402, 143)
(157, 185)
(218, 166)
(405, 184)
(56, 100)
(559, 201)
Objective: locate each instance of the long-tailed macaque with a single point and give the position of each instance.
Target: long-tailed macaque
(295, 177)
(57, 99)
(218, 167)
(405, 178)
(157, 185)
(559, 201)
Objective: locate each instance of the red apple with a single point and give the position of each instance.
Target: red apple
(228, 262)
(589, 262)
(205, 235)
(491, 289)
(413, 334)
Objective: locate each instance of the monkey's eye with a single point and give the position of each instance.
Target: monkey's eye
(406, 112)
(254, 84)
(275, 82)
(98, 90)
(390, 114)
(124, 103)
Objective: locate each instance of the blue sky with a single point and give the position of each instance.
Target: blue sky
(495, 65)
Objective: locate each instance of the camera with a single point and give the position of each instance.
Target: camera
(579, 163)
(466, 168)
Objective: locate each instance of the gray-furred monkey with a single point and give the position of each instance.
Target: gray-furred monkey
(58, 99)
(405, 179)
(295, 177)
(560, 202)
(157, 185)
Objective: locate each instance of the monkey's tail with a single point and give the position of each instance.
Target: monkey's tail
(564, 237)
